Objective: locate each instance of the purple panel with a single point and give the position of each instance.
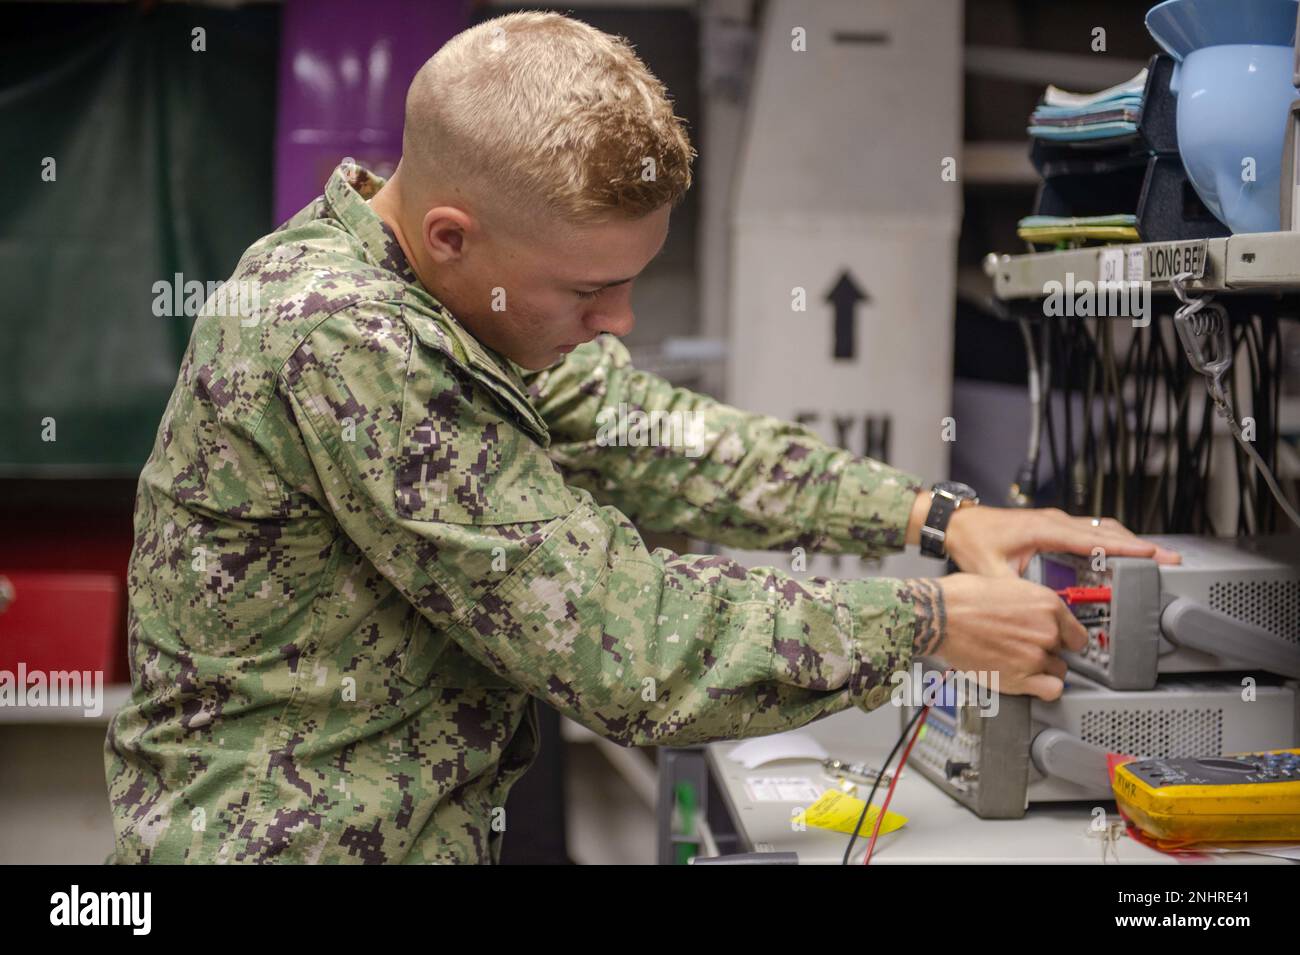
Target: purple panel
(344, 69)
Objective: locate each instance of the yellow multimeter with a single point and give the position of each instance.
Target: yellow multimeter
(1241, 797)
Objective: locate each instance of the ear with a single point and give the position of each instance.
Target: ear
(444, 232)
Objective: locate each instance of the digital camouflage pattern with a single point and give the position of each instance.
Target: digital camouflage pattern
(364, 545)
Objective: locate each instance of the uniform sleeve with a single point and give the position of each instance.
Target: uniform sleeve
(465, 514)
(711, 470)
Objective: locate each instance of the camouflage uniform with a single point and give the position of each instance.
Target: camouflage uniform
(365, 544)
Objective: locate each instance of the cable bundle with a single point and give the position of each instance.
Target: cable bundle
(1132, 435)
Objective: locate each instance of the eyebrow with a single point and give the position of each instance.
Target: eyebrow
(600, 286)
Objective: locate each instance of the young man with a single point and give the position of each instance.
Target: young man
(379, 520)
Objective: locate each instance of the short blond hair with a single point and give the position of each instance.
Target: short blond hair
(549, 116)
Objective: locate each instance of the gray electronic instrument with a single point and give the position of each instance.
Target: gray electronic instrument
(1233, 604)
(997, 760)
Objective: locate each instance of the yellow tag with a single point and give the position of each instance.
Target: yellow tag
(839, 812)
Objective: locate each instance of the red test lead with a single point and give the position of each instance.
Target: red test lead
(1084, 595)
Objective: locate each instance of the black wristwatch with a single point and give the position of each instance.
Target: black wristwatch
(946, 497)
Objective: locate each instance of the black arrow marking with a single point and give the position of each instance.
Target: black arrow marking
(844, 297)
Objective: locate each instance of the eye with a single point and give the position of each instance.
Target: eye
(591, 294)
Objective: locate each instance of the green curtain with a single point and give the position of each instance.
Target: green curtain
(163, 165)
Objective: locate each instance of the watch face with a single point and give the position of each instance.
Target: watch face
(956, 489)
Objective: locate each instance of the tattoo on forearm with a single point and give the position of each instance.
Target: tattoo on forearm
(926, 597)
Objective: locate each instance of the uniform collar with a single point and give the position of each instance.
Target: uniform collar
(349, 186)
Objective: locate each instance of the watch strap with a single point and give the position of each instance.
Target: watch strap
(934, 532)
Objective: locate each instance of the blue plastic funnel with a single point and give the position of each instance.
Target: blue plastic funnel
(1234, 83)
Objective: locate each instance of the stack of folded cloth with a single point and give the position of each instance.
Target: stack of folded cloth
(1085, 117)
(1046, 230)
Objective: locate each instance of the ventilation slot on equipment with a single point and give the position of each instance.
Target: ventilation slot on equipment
(1272, 605)
(1155, 732)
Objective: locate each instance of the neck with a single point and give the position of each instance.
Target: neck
(387, 204)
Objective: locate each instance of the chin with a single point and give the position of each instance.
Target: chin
(535, 363)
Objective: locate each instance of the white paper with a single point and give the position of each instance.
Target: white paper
(753, 753)
(796, 789)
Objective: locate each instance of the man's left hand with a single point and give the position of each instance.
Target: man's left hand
(1001, 540)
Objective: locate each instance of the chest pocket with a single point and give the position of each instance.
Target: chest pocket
(467, 455)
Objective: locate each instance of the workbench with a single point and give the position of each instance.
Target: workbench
(939, 830)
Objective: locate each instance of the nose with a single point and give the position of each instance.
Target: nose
(613, 314)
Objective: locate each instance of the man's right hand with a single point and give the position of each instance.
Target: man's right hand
(1018, 628)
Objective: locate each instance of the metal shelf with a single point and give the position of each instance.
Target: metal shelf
(1250, 262)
